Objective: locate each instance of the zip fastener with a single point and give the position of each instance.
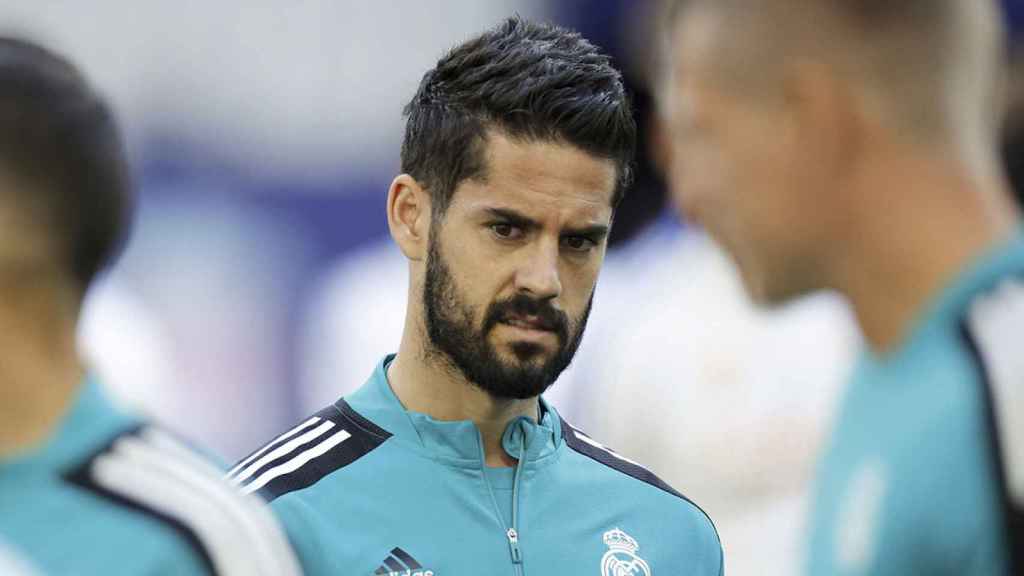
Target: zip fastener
(511, 533)
(513, 544)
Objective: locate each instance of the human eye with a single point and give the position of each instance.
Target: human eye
(506, 230)
(580, 244)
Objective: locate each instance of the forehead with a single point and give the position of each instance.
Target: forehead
(542, 179)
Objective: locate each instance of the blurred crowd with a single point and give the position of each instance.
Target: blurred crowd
(260, 278)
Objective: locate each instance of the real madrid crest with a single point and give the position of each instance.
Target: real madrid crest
(621, 558)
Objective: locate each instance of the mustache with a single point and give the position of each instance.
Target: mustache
(545, 315)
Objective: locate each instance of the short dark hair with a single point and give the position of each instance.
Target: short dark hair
(61, 144)
(529, 80)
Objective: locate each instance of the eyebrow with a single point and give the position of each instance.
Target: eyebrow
(512, 217)
(596, 232)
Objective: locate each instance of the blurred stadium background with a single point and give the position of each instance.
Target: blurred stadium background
(260, 283)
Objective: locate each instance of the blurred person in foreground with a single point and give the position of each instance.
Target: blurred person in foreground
(84, 487)
(740, 399)
(517, 149)
(852, 145)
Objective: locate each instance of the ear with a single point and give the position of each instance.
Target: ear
(409, 216)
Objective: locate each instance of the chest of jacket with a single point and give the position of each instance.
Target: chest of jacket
(414, 517)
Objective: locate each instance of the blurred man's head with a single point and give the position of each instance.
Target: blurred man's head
(778, 109)
(64, 191)
(517, 149)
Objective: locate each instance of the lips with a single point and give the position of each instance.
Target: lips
(528, 323)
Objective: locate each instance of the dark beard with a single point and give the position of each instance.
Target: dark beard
(452, 334)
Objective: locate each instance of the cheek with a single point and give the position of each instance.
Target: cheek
(763, 171)
(578, 283)
(794, 190)
(481, 288)
(476, 275)
(784, 224)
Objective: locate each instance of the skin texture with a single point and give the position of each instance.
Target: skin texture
(552, 257)
(803, 177)
(39, 367)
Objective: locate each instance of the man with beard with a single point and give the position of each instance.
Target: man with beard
(517, 149)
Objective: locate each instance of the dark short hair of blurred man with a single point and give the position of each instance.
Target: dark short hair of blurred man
(84, 487)
(853, 145)
(517, 149)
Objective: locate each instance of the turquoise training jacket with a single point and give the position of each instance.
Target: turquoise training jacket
(108, 494)
(366, 487)
(924, 473)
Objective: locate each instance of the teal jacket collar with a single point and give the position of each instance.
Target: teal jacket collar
(91, 421)
(456, 443)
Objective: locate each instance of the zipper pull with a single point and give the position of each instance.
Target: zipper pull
(513, 545)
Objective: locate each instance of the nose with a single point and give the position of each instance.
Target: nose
(538, 274)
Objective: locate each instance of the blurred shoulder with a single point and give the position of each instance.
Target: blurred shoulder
(183, 499)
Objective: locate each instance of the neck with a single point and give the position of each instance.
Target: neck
(426, 384)
(926, 223)
(39, 376)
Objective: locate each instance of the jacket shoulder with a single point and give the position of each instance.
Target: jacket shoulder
(580, 442)
(324, 443)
